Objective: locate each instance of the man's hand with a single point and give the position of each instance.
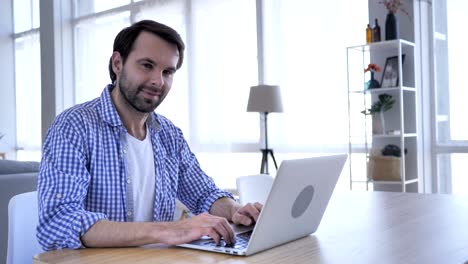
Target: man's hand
(216, 227)
(235, 212)
(247, 214)
(197, 226)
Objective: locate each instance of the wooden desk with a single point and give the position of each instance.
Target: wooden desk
(358, 227)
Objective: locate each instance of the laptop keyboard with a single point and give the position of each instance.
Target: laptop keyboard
(242, 240)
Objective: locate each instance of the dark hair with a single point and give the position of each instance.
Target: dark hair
(123, 42)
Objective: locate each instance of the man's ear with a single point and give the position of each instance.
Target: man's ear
(117, 63)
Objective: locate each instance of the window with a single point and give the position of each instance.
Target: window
(93, 47)
(26, 15)
(310, 57)
(27, 79)
(304, 54)
(90, 7)
(451, 129)
(177, 106)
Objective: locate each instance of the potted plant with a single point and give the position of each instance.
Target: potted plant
(382, 105)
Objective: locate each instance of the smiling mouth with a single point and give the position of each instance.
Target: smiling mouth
(148, 93)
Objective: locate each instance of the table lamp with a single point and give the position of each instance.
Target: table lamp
(265, 99)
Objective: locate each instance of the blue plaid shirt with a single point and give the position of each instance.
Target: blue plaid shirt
(83, 179)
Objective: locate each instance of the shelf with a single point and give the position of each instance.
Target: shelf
(376, 136)
(405, 135)
(394, 182)
(386, 182)
(360, 181)
(383, 90)
(381, 45)
(400, 117)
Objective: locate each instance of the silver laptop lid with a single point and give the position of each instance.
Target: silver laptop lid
(297, 201)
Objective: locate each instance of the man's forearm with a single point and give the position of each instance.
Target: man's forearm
(124, 234)
(127, 234)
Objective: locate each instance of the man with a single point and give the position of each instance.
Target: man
(112, 168)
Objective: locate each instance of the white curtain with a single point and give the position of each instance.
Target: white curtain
(305, 53)
(451, 129)
(177, 104)
(94, 39)
(310, 57)
(225, 66)
(457, 57)
(209, 96)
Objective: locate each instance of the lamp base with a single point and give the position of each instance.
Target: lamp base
(264, 166)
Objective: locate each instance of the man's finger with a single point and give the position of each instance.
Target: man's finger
(259, 206)
(214, 235)
(251, 211)
(242, 219)
(225, 230)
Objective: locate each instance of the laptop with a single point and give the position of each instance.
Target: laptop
(294, 207)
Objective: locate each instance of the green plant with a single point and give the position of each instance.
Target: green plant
(384, 104)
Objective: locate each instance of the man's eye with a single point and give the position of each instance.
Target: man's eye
(148, 66)
(168, 73)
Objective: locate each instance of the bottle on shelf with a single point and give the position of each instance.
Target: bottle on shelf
(376, 32)
(368, 34)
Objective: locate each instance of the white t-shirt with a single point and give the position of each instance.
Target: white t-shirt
(140, 172)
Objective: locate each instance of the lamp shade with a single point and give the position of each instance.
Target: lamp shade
(265, 98)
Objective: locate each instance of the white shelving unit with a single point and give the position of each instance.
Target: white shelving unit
(400, 121)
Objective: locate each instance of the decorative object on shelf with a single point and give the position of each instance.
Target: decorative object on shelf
(1, 136)
(390, 75)
(394, 132)
(391, 26)
(379, 107)
(391, 21)
(372, 83)
(392, 150)
(265, 99)
(376, 32)
(394, 5)
(384, 168)
(368, 34)
(386, 165)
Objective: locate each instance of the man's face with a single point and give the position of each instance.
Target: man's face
(146, 77)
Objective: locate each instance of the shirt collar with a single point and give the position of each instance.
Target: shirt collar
(110, 115)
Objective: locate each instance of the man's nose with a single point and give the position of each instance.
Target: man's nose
(157, 79)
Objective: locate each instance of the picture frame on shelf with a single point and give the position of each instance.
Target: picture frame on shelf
(390, 76)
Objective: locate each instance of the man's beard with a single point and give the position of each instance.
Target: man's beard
(131, 96)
